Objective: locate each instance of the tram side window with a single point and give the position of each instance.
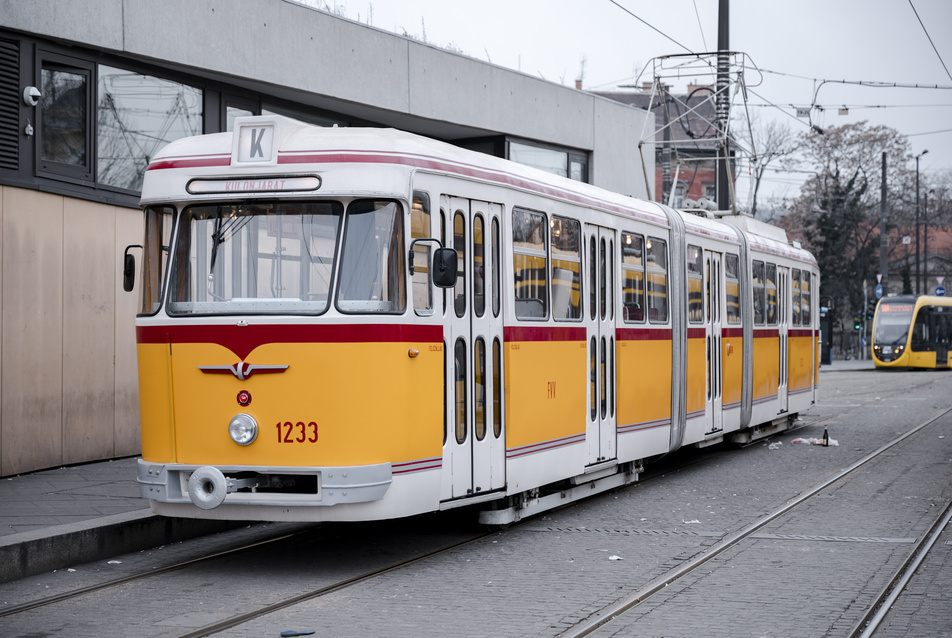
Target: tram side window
(633, 277)
(459, 243)
(795, 290)
(158, 233)
(806, 300)
(372, 260)
(657, 280)
(732, 288)
(420, 228)
(566, 274)
(772, 314)
(695, 285)
(497, 261)
(760, 294)
(529, 264)
(943, 325)
(479, 266)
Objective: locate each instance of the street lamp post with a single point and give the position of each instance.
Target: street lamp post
(917, 217)
(925, 240)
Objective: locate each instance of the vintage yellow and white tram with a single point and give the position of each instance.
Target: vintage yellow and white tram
(299, 361)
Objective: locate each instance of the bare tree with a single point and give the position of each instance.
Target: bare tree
(767, 143)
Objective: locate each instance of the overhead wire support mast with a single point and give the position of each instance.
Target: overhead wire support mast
(697, 124)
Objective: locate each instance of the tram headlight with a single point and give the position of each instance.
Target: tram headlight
(243, 429)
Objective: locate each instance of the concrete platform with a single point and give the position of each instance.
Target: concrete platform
(55, 518)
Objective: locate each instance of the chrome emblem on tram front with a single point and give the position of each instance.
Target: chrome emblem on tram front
(242, 370)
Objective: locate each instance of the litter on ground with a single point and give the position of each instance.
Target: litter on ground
(829, 442)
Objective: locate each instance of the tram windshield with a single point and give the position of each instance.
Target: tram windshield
(280, 257)
(892, 323)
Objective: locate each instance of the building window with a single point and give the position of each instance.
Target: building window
(558, 161)
(138, 115)
(64, 122)
(678, 201)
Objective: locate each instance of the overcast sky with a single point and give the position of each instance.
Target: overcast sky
(852, 40)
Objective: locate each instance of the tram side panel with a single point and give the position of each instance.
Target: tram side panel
(545, 408)
(644, 392)
(155, 400)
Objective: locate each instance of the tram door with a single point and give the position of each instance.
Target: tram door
(712, 319)
(600, 329)
(783, 321)
(474, 451)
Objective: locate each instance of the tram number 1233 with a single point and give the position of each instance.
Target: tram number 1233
(296, 432)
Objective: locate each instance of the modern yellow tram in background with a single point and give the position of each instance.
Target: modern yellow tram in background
(912, 332)
(301, 359)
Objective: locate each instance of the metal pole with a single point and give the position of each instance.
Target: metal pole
(924, 151)
(925, 242)
(883, 237)
(666, 187)
(722, 102)
(917, 224)
(862, 348)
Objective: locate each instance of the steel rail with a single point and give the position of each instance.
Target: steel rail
(639, 596)
(76, 593)
(323, 591)
(867, 626)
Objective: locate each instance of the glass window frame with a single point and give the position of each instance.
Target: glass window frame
(532, 253)
(806, 299)
(159, 230)
(732, 279)
(759, 290)
(795, 298)
(180, 279)
(110, 137)
(568, 258)
(772, 288)
(84, 173)
(422, 254)
(627, 266)
(696, 290)
(653, 272)
(399, 253)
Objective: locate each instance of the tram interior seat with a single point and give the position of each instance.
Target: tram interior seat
(533, 308)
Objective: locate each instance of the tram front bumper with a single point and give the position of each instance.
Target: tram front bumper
(254, 485)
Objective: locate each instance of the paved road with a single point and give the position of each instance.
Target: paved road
(809, 574)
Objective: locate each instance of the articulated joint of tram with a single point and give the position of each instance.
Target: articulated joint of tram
(208, 487)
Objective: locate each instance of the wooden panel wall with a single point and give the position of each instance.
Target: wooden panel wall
(67, 338)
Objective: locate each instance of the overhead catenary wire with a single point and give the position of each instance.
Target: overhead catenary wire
(929, 37)
(653, 28)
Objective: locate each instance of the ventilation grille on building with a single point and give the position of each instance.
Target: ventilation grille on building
(9, 104)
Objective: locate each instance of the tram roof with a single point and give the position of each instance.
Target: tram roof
(300, 147)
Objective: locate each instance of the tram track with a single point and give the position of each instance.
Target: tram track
(241, 619)
(116, 582)
(631, 601)
(236, 553)
(876, 614)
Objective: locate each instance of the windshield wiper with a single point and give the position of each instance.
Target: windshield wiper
(217, 238)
